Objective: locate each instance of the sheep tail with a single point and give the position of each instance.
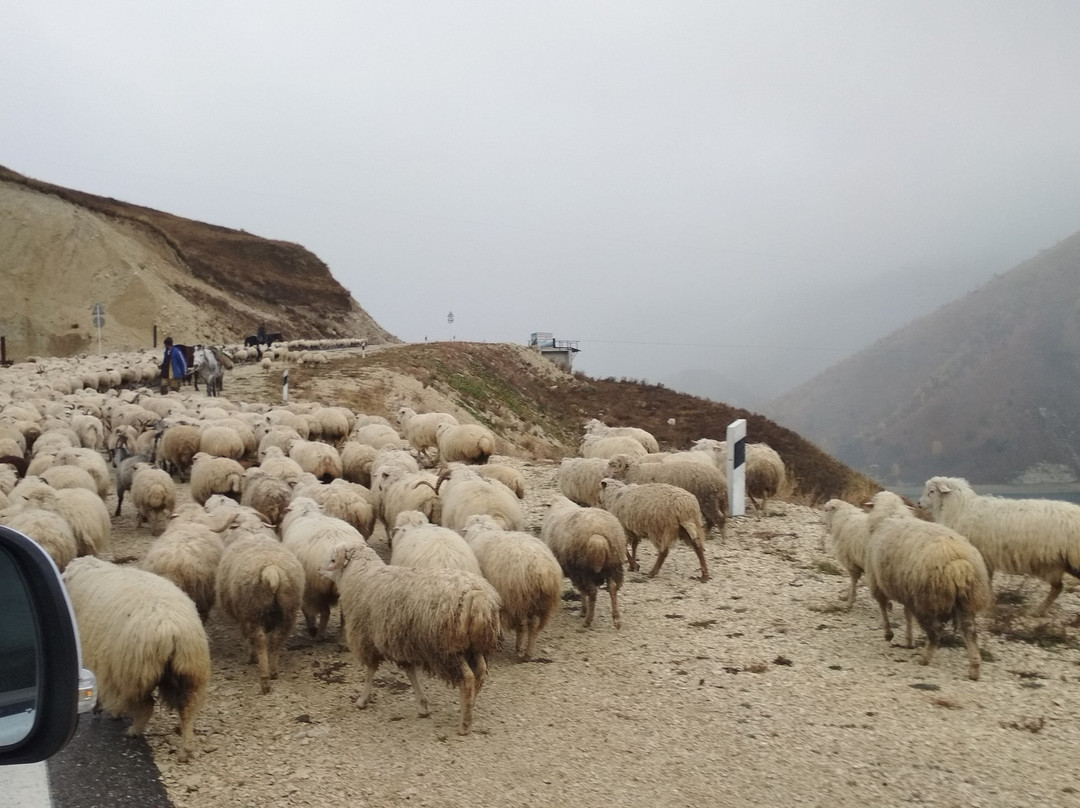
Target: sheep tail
(185, 675)
(479, 620)
(972, 590)
(271, 576)
(594, 552)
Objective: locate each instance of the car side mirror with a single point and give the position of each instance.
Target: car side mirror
(39, 653)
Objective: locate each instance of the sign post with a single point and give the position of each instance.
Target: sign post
(98, 318)
(736, 467)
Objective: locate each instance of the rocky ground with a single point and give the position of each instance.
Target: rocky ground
(752, 688)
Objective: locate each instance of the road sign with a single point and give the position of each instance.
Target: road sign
(98, 315)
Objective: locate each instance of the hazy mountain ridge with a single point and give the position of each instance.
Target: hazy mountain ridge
(984, 387)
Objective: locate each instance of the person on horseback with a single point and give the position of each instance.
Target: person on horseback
(173, 367)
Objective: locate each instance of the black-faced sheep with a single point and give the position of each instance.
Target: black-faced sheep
(523, 571)
(849, 536)
(589, 544)
(444, 621)
(931, 569)
(659, 512)
(260, 585)
(1038, 537)
(140, 633)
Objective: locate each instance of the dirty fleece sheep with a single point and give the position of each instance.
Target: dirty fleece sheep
(154, 494)
(589, 544)
(706, 482)
(1039, 537)
(344, 500)
(320, 459)
(579, 479)
(140, 633)
(765, 471)
(659, 512)
(523, 571)
(396, 490)
(311, 535)
(83, 510)
(608, 446)
(260, 585)
(465, 493)
(443, 621)
(464, 443)
(188, 554)
(931, 569)
(849, 536)
(268, 495)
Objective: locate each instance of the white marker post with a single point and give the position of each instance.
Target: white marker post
(736, 467)
(285, 386)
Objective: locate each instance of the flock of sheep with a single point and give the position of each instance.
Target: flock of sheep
(286, 498)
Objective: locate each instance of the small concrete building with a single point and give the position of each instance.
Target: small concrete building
(559, 351)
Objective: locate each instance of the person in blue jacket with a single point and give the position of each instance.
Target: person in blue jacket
(173, 367)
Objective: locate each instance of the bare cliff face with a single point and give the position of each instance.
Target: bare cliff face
(62, 251)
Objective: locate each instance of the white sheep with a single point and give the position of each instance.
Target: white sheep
(465, 493)
(356, 462)
(215, 475)
(419, 428)
(464, 443)
(283, 468)
(765, 471)
(140, 633)
(260, 585)
(579, 479)
(418, 543)
(83, 510)
(929, 568)
(315, 457)
(444, 621)
(396, 490)
(1038, 537)
(310, 534)
(65, 476)
(90, 461)
(47, 528)
(608, 446)
(659, 512)
(523, 571)
(188, 554)
(589, 544)
(221, 441)
(642, 436)
(378, 436)
(507, 475)
(706, 482)
(177, 447)
(350, 502)
(154, 494)
(849, 535)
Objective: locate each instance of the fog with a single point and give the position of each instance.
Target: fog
(745, 192)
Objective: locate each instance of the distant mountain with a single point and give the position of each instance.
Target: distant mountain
(986, 387)
(62, 251)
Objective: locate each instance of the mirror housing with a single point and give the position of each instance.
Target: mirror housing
(49, 707)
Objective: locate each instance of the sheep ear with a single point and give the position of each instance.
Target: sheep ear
(943, 487)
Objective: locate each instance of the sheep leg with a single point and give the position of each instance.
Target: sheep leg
(324, 621)
(119, 501)
(588, 604)
(421, 697)
(468, 697)
(659, 562)
(849, 597)
(369, 684)
(700, 552)
(1051, 596)
(258, 647)
(883, 604)
(616, 618)
(141, 715)
(910, 636)
(187, 731)
(479, 671)
(520, 638)
(933, 636)
(967, 629)
(631, 553)
(532, 631)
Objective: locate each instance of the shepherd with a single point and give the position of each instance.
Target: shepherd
(173, 367)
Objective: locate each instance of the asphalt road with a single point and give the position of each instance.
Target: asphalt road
(100, 768)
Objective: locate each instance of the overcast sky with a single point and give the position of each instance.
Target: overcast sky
(664, 181)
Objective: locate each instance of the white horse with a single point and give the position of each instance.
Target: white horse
(208, 368)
